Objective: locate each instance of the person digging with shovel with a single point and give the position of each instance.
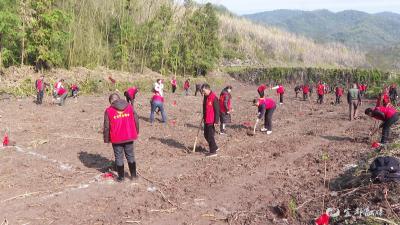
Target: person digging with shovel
(388, 115)
(130, 94)
(211, 114)
(121, 128)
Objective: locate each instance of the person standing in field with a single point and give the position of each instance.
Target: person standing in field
(40, 87)
(338, 94)
(186, 87)
(225, 108)
(211, 114)
(388, 115)
(354, 101)
(130, 94)
(121, 129)
(173, 84)
(297, 90)
(60, 93)
(306, 91)
(321, 93)
(157, 103)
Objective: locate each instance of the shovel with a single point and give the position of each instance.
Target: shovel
(254, 129)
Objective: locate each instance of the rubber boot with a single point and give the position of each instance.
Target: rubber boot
(120, 171)
(132, 169)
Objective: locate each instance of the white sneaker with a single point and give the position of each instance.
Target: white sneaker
(264, 129)
(269, 132)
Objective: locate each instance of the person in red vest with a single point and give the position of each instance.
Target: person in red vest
(40, 87)
(383, 98)
(186, 87)
(74, 91)
(60, 93)
(388, 115)
(130, 94)
(174, 84)
(210, 118)
(266, 108)
(157, 102)
(339, 94)
(121, 129)
(306, 91)
(280, 91)
(320, 92)
(261, 90)
(225, 108)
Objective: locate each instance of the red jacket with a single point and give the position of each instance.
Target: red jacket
(339, 91)
(224, 95)
(61, 91)
(388, 111)
(132, 92)
(209, 117)
(173, 82)
(268, 102)
(74, 87)
(386, 99)
(320, 89)
(122, 125)
(280, 90)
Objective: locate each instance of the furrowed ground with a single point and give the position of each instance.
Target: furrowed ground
(53, 174)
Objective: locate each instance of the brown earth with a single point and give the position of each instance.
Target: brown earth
(53, 175)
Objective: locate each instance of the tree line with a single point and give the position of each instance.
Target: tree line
(125, 35)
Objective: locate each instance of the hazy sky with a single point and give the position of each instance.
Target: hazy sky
(251, 6)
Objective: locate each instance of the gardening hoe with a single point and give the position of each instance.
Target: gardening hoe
(254, 129)
(197, 136)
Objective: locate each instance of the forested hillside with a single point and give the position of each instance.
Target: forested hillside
(130, 35)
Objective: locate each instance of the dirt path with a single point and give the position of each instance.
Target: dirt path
(52, 177)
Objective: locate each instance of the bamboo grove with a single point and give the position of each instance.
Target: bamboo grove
(125, 35)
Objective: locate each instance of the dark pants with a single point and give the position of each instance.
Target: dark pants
(197, 91)
(297, 93)
(63, 98)
(353, 109)
(386, 127)
(120, 150)
(209, 135)
(173, 88)
(338, 99)
(305, 96)
(280, 98)
(393, 100)
(320, 99)
(268, 118)
(39, 98)
(261, 93)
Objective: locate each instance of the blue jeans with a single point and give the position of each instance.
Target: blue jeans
(160, 106)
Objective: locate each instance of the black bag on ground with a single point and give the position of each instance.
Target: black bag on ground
(385, 169)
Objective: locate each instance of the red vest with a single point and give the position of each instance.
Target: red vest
(173, 82)
(339, 91)
(122, 125)
(280, 90)
(57, 84)
(321, 89)
(269, 103)
(74, 87)
(210, 113)
(61, 91)
(157, 98)
(388, 111)
(186, 85)
(306, 89)
(386, 99)
(222, 98)
(39, 85)
(132, 92)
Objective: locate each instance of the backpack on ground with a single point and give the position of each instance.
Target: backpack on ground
(385, 169)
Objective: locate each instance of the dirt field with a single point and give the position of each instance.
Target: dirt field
(53, 174)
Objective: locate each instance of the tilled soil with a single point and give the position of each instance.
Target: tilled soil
(54, 173)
